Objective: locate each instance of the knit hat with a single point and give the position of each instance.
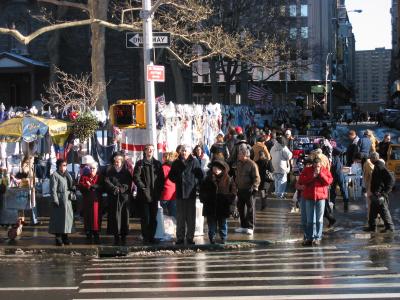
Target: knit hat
(238, 130)
(87, 160)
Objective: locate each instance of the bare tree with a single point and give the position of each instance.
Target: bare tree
(73, 92)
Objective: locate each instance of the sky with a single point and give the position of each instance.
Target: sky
(372, 28)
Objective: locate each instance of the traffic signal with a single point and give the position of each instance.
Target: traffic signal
(128, 114)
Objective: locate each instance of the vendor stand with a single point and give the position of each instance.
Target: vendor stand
(20, 195)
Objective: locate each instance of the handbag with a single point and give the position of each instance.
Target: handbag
(72, 196)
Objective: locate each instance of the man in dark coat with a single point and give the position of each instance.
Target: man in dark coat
(148, 177)
(118, 184)
(186, 173)
(382, 183)
(338, 179)
(383, 147)
(353, 148)
(218, 195)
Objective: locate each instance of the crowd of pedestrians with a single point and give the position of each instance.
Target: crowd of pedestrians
(227, 179)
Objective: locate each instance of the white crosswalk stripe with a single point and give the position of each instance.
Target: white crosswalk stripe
(275, 273)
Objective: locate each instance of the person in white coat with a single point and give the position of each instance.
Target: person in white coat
(281, 156)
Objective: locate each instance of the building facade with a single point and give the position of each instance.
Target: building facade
(372, 74)
(321, 34)
(394, 77)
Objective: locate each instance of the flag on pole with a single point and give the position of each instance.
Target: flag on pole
(160, 101)
(259, 93)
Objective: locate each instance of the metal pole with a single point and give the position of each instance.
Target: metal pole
(326, 79)
(330, 88)
(149, 85)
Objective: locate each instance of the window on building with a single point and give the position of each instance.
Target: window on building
(304, 32)
(293, 33)
(293, 10)
(304, 10)
(283, 10)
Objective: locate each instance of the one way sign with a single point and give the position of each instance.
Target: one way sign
(160, 39)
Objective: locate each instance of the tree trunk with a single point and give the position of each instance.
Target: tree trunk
(214, 80)
(53, 46)
(98, 10)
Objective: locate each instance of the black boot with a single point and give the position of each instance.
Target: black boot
(96, 238)
(65, 239)
(59, 240)
(123, 240)
(116, 240)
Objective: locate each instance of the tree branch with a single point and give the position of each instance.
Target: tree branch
(67, 3)
(28, 38)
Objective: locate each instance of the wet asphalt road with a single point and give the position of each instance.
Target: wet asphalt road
(346, 270)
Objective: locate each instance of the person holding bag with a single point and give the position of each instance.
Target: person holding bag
(148, 177)
(266, 175)
(62, 215)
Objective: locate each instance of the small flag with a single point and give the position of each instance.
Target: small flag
(160, 101)
(259, 93)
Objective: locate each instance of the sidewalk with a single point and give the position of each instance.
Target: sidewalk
(274, 225)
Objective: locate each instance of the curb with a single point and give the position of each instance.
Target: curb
(112, 251)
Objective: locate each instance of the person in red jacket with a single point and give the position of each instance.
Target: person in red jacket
(315, 180)
(168, 196)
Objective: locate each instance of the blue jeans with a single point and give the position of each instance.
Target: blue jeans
(212, 227)
(169, 206)
(315, 219)
(280, 181)
(303, 214)
(34, 218)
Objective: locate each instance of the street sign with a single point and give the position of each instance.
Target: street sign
(155, 73)
(160, 39)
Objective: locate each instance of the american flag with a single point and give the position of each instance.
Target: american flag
(160, 101)
(259, 93)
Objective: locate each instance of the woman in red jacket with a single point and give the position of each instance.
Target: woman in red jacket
(168, 196)
(91, 189)
(315, 180)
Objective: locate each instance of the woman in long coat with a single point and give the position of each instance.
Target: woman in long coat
(118, 184)
(62, 215)
(91, 187)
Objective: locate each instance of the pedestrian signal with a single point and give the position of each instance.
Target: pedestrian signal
(128, 114)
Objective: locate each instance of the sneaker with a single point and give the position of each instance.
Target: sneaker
(240, 230)
(249, 231)
(316, 242)
(307, 243)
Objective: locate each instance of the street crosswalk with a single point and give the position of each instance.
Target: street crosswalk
(286, 272)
